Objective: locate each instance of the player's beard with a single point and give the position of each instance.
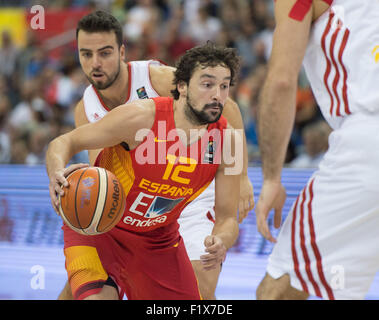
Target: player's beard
(110, 79)
(203, 116)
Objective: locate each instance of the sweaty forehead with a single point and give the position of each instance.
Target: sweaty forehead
(220, 72)
(96, 40)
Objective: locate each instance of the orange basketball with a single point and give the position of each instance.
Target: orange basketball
(94, 202)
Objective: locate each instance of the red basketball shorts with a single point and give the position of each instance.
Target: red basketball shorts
(145, 266)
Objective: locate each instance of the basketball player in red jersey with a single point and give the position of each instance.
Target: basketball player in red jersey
(144, 255)
(114, 82)
(327, 246)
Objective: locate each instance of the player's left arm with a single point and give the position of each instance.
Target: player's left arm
(246, 201)
(227, 185)
(277, 107)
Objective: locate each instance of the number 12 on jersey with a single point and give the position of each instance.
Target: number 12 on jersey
(186, 165)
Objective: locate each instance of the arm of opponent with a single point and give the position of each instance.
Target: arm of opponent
(246, 201)
(277, 108)
(80, 120)
(225, 230)
(117, 126)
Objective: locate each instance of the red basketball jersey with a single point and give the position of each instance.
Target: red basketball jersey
(162, 175)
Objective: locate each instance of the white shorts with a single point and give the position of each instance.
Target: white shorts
(329, 241)
(196, 222)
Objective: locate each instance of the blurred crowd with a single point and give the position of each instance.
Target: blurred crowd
(38, 92)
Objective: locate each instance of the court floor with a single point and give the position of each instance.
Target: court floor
(37, 273)
(31, 239)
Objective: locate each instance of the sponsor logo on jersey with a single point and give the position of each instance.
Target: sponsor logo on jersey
(209, 152)
(142, 94)
(152, 209)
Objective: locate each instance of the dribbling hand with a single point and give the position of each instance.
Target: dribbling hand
(58, 182)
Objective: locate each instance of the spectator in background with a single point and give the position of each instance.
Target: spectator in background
(204, 27)
(4, 89)
(19, 151)
(139, 18)
(142, 31)
(8, 55)
(5, 141)
(38, 138)
(30, 110)
(8, 61)
(247, 99)
(32, 58)
(176, 38)
(162, 29)
(244, 44)
(315, 137)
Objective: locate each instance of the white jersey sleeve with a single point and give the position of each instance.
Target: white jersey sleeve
(342, 59)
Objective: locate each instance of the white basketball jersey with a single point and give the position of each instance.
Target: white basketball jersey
(342, 59)
(140, 87)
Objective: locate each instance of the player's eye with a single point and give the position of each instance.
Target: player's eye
(86, 54)
(104, 54)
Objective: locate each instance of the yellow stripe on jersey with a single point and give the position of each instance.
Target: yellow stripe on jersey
(123, 168)
(196, 194)
(119, 161)
(83, 265)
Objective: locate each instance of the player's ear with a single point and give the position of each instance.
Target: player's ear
(182, 88)
(122, 52)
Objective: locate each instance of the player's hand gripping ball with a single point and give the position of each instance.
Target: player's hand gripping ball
(94, 201)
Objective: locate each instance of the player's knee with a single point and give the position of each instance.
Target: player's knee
(278, 289)
(207, 280)
(208, 284)
(207, 292)
(270, 289)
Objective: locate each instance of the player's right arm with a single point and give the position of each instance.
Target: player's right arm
(227, 185)
(117, 126)
(277, 107)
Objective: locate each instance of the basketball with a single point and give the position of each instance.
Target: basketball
(94, 201)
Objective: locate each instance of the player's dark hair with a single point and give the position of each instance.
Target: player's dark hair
(208, 55)
(100, 21)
